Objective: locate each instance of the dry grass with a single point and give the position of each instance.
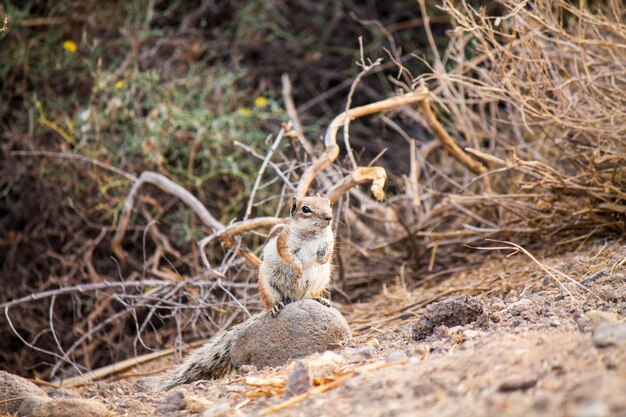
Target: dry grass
(541, 100)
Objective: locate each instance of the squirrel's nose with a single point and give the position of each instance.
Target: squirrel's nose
(328, 218)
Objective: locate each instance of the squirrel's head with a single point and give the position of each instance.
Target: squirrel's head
(310, 214)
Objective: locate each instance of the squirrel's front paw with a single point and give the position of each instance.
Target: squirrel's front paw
(298, 272)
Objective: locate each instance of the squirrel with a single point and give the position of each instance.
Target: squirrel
(295, 265)
(296, 257)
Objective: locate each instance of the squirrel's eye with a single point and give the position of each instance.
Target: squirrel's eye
(306, 209)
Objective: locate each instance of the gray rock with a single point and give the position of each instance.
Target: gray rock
(247, 369)
(299, 381)
(223, 409)
(173, 401)
(13, 390)
(359, 354)
(439, 332)
(456, 311)
(497, 304)
(62, 407)
(302, 328)
(179, 400)
(472, 334)
(396, 356)
(597, 409)
(521, 306)
(609, 334)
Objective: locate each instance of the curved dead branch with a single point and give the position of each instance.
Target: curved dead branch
(330, 139)
(448, 143)
(170, 187)
(361, 175)
(227, 234)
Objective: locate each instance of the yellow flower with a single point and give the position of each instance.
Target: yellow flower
(70, 46)
(260, 102)
(120, 84)
(245, 111)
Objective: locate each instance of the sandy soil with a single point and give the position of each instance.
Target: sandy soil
(531, 352)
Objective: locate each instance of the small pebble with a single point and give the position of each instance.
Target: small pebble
(470, 334)
(597, 409)
(396, 357)
(354, 355)
(441, 332)
(172, 402)
(497, 304)
(328, 360)
(299, 381)
(609, 334)
(518, 307)
(517, 382)
(223, 411)
(179, 400)
(353, 383)
(374, 342)
(63, 407)
(247, 369)
(554, 321)
(234, 388)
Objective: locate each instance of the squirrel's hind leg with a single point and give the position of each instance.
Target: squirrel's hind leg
(277, 308)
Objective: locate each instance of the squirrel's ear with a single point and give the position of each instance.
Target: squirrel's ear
(294, 205)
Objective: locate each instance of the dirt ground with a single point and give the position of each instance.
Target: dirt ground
(534, 350)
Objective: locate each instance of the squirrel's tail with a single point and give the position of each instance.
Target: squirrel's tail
(213, 360)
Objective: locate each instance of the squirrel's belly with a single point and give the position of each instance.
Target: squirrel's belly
(314, 279)
(308, 255)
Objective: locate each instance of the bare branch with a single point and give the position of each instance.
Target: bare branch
(366, 67)
(293, 115)
(259, 175)
(330, 139)
(361, 175)
(272, 164)
(448, 142)
(237, 228)
(169, 187)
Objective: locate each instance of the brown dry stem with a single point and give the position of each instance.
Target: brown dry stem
(330, 139)
(168, 186)
(447, 142)
(361, 175)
